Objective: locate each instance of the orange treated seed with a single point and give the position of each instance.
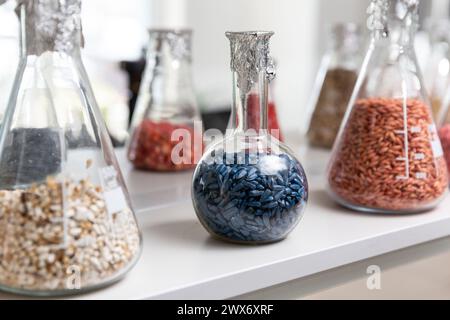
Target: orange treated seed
(369, 168)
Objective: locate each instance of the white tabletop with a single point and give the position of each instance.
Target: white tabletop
(181, 261)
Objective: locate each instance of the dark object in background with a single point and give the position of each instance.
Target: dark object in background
(30, 155)
(217, 119)
(135, 70)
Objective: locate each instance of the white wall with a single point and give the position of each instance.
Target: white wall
(294, 46)
(115, 30)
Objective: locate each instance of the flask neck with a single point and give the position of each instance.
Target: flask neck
(251, 108)
(253, 69)
(395, 21)
(164, 67)
(168, 74)
(345, 47)
(50, 26)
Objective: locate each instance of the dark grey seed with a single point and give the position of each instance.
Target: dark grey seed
(254, 204)
(268, 199)
(241, 195)
(259, 221)
(270, 205)
(256, 193)
(238, 187)
(231, 204)
(230, 213)
(250, 185)
(266, 194)
(213, 186)
(241, 174)
(266, 220)
(213, 208)
(279, 195)
(221, 219)
(295, 194)
(260, 187)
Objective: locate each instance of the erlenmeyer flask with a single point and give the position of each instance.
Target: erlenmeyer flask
(249, 188)
(388, 157)
(334, 84)
(66, 222)
(166, 105)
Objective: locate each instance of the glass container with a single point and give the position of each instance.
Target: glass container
(66, 221)
(166, 125)
(388, 157)
(334, 85)
(249, 188)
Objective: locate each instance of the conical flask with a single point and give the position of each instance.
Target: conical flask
(249, 188)
(335, 82)
(167, 118)
(388, 157)
(66, 221)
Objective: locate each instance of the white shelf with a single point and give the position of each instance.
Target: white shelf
(180, 260)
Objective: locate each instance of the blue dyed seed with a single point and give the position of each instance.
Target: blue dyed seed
(239, 202)
(268, 199)
(254, 204)
(279, 195)
(241, 174)
(270, 205)
(256, 193)
(266, 221)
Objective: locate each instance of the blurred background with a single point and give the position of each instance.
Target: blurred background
(116, 37)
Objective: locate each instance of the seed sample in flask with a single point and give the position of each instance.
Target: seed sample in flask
(335, 82)
(66, 221)
(388, 157)
(249, 188)
(167, 118)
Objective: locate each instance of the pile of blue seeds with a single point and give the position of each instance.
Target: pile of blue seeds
(249, 197)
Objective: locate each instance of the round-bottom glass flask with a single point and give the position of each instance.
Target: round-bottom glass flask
(249, 188)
